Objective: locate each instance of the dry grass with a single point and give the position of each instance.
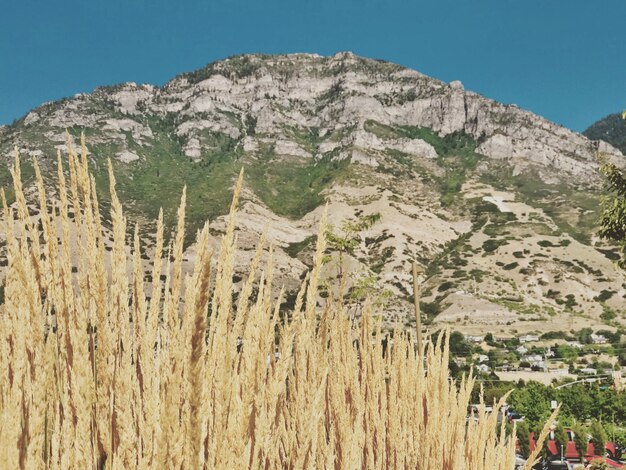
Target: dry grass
(95, 374)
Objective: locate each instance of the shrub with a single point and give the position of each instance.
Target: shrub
(604, 295)
(598, 464)
(608, 314)
(491, 245)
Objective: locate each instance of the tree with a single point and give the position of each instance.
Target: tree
(560, 439)
(584, 336)
(352, 236)
(345, 241)
(366, 287)
(598, 437)
(459, 346)
(523, 438)
(618, 436)
(577, 402)
(493, 391)
(580, 439)
(613, 217)
(532, 401)
(566, 352)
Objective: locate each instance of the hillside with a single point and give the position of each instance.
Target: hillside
(497, 204)
(611, 129)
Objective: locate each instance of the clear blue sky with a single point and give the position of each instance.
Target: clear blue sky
(563, 59)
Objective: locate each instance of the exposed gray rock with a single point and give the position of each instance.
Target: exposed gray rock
(300, 110)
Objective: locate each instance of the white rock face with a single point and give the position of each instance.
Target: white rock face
(498, 201)
(497, 146)
(286, 147)
(127, 156)
(193, 148)
(280, 100)
(31, 118)
(139, 132)
(345, 90)
(220, 124)
(131, 95)
(415, 147)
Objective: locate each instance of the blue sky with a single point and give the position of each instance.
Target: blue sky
(563, 59)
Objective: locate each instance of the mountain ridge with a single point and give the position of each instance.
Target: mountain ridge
(491, 199)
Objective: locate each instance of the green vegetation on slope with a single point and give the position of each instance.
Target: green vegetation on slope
(573, 210)
(148, 184)
(456, 153)
(611, 129)
(292, 187)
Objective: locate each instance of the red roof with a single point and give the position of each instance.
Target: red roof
(572, 454)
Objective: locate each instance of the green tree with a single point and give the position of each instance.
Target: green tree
(348, 239)
(459, 346)
(493, 391)
(566, 352)
(613, 217)
(617, 435)
(619, 408)
(366, 287)
(523, 438)
(584, 336)
(560, 439)
(580, 438)
(345, 241)
(598, 437)
(576, 401)
(532, 401)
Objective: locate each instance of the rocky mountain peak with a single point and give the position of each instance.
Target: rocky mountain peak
(473, 189)
(330, 94)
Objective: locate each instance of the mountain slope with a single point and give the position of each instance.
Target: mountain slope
(498, 204)
(611, 129)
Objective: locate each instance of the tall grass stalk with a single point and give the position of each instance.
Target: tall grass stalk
(101, 369)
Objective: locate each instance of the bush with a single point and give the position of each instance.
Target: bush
(491, 245)
(598, 464)
(604, 295)
(554, 335)
(608, 314)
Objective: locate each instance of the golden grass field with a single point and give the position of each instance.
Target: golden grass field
(96, 373)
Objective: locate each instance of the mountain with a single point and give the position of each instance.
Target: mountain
(611, 129)
(497, 204)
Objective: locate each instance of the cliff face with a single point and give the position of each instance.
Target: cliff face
(257, 100)
(498, 203)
